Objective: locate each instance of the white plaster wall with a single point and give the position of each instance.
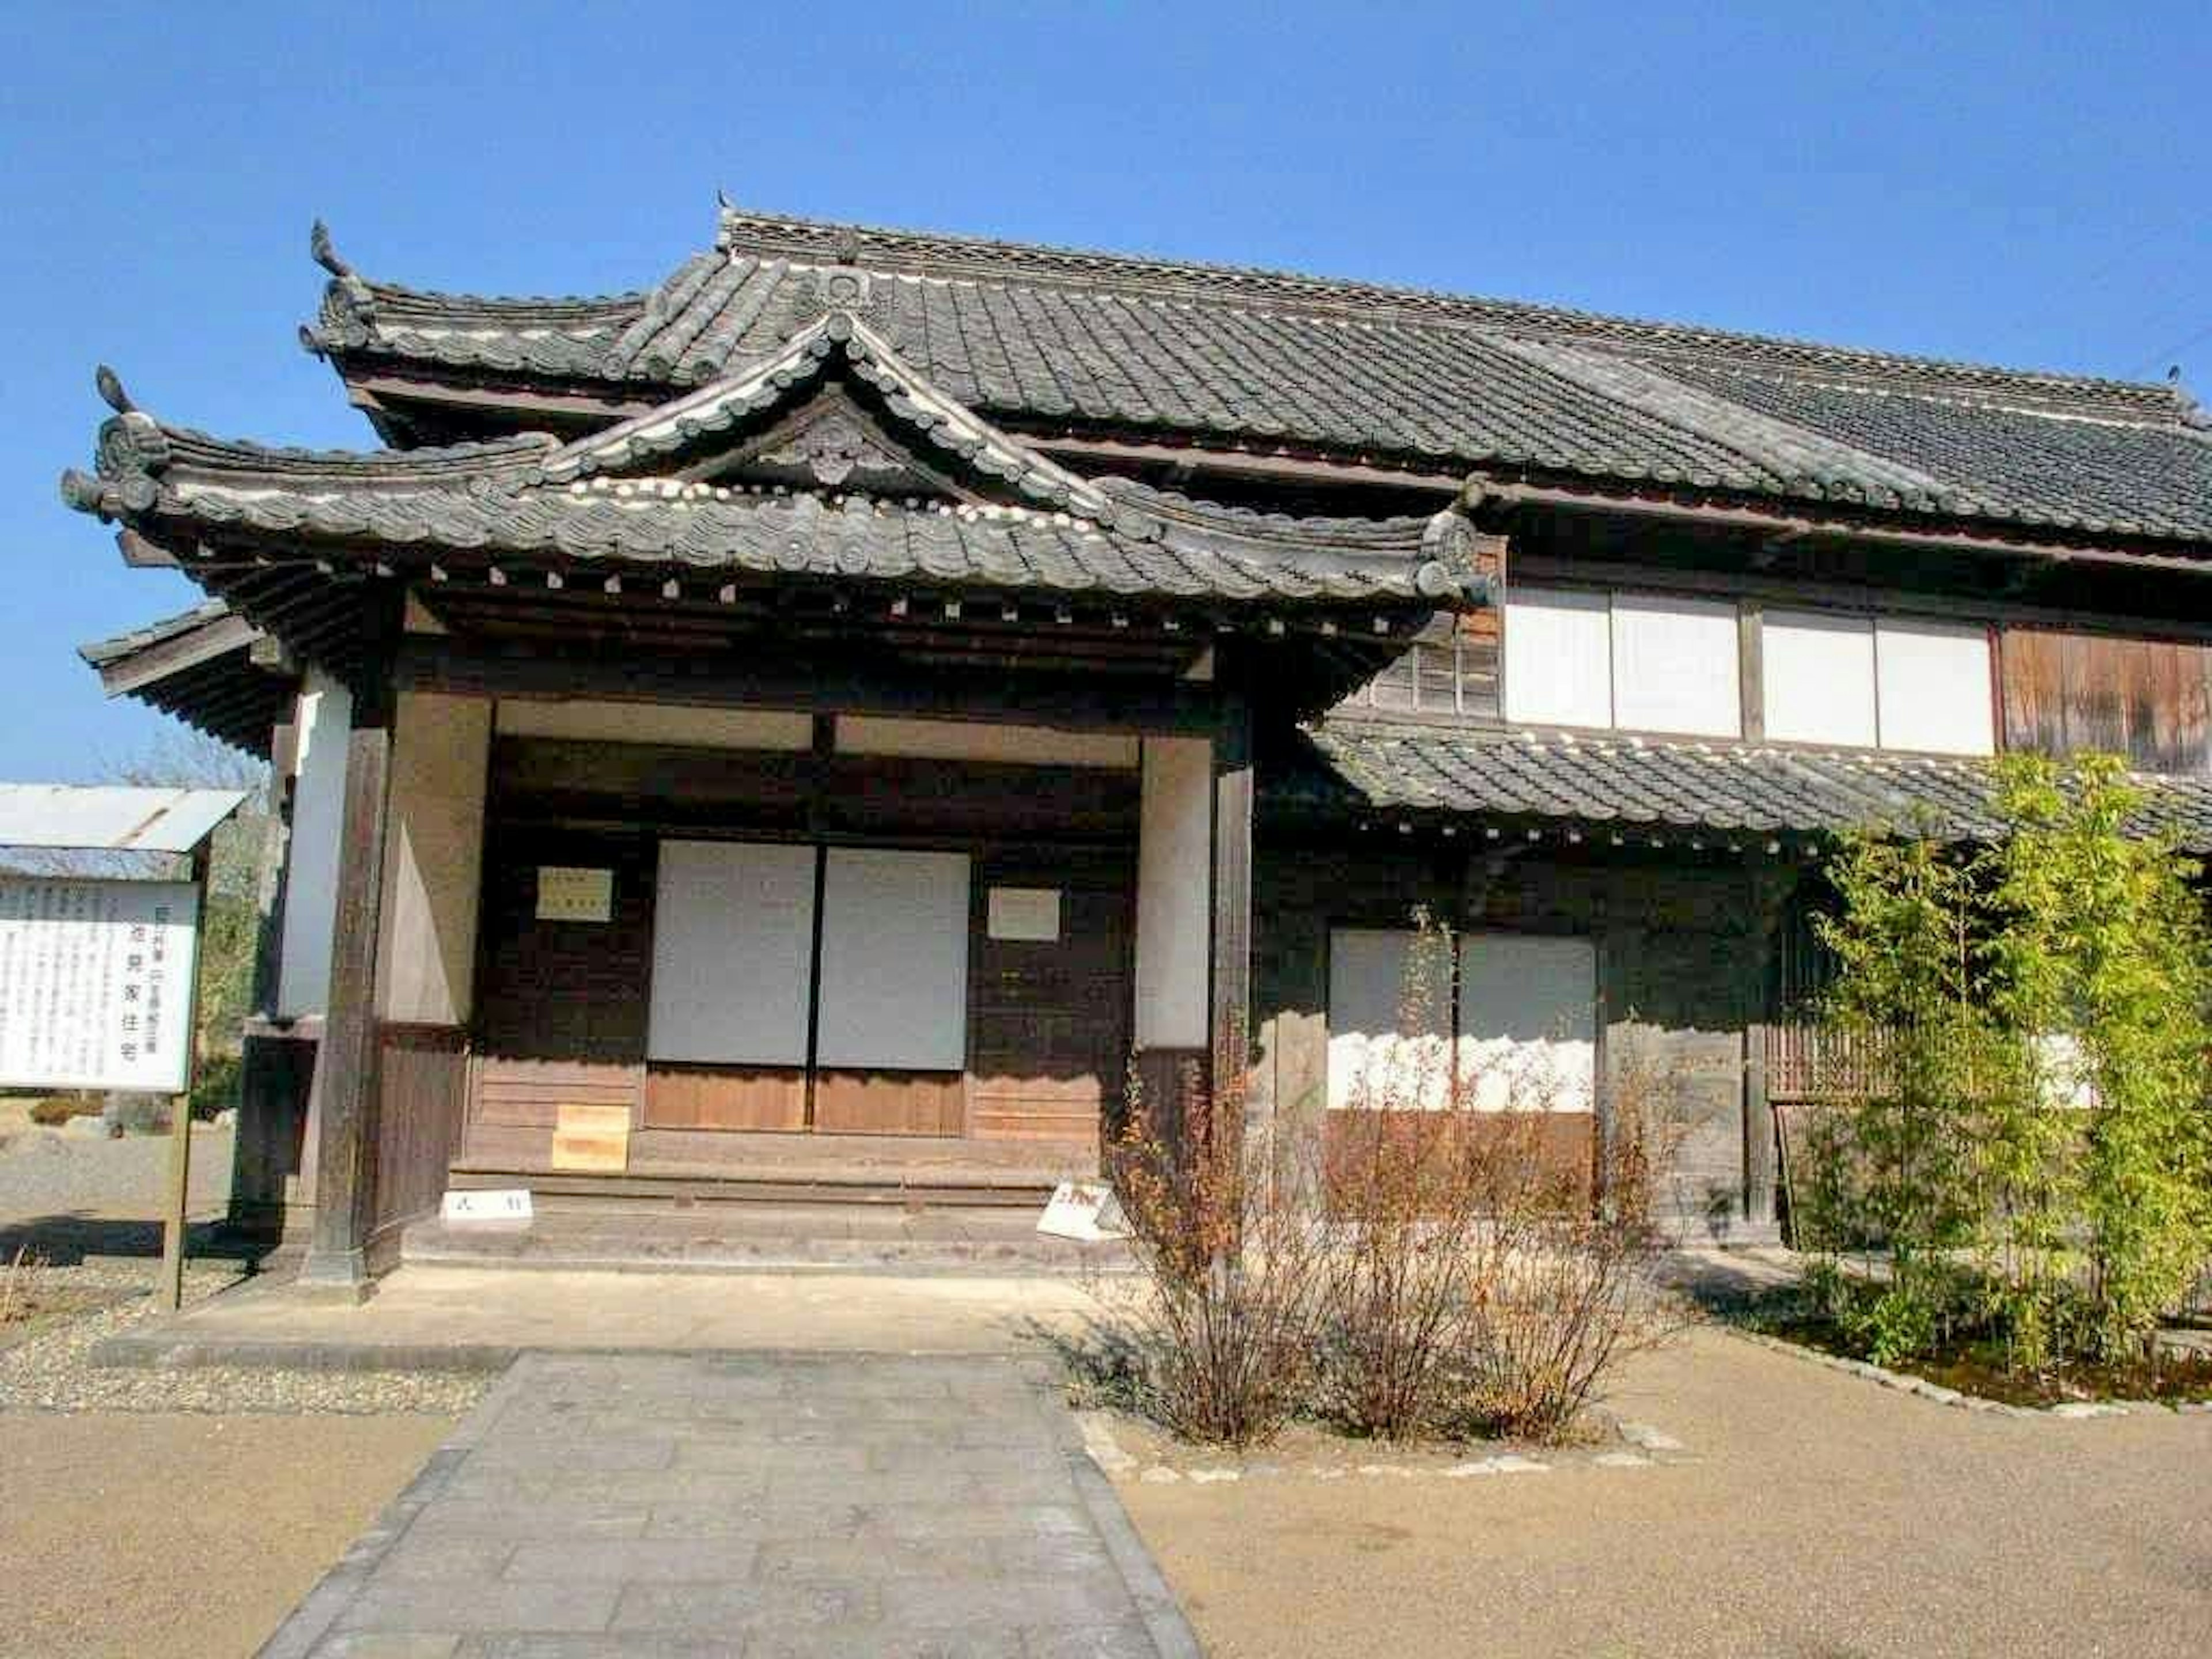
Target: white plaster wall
(589, 721)
(1024, 746)
(433, 859)
(1175, 892)
(1559, 657)
(1675, 665)
(1818, 673)
(1935, 687)
(325, 718)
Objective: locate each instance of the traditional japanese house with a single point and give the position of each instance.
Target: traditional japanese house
(806, 726)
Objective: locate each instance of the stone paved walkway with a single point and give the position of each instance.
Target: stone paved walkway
(755, 1505)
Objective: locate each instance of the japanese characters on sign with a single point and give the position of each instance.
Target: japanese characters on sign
(96, 981)
(568, 894)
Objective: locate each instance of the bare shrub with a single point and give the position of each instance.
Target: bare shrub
(1436, 1264)
(1579, 1291)
(15, 1285)
(1216, 1336)
(56, 1110)
(1479, 1279)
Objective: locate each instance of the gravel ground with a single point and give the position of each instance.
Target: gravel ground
(46, 1172)
(1813, 1514)
(143, 1535)
(51, 1370)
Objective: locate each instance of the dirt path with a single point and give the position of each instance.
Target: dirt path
(1821, 1516)
(181, 1537)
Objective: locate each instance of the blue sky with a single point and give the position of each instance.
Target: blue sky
(2026, 185)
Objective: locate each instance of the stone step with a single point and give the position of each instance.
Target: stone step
(997, 1241)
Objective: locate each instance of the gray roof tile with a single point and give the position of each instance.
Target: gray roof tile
(1220, 354)
(1671, 786)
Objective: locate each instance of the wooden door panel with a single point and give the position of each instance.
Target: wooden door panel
(726, 1098)
(891, 1103)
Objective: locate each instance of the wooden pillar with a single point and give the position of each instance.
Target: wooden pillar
(1759, 1209)
(346, 1069)
(1771, 888)
(1230, 1018)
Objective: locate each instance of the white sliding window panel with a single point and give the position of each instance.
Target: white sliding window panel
(1374, 1062)
(1675, 665)
(1528, 1022)
(894, 961)
(1817, 669)
(1934, 687)
(733, 946)
(1559, 652)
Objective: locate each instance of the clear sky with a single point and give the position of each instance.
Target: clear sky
(2027, 185)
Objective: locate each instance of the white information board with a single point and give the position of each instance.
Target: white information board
(96, 983)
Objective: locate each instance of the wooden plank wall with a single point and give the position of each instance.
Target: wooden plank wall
(1049, 1021)
(422, 1098)
(2144, 699)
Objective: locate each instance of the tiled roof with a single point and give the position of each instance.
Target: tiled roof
(1630, 786)
(100, 654)
(521, 497)
(1212, 354)
(197, 665)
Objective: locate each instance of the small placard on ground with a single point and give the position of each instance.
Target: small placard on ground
(509, 1204)
(1086, 1211)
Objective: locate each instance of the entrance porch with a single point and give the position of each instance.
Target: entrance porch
(640, 954)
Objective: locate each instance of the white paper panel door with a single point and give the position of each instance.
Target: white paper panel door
(894, 961)
(733, 937)
(1558, 651)
(1374, 1062)
(1528, 1022)
(1818, 674)
(1675, 665)
(1936, 689)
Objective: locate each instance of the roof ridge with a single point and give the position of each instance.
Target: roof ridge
(936, 253)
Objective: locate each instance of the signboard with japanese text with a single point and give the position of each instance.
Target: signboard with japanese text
(567, 894)
(96, 981)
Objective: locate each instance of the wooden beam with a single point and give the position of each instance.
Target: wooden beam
(384, 392)
(1482, 493)
(1281, 468)
(1751, 667)
(346, 1150)
(826, 684)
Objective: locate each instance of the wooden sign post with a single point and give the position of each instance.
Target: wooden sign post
(180, 1110)
(99, 976)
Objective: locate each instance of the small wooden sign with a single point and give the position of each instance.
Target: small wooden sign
(1026, 913)
(565, 893)
(591, 1139)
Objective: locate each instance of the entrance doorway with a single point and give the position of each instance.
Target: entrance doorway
(799, 987)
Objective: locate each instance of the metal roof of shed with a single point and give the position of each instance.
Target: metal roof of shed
(113, 820)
